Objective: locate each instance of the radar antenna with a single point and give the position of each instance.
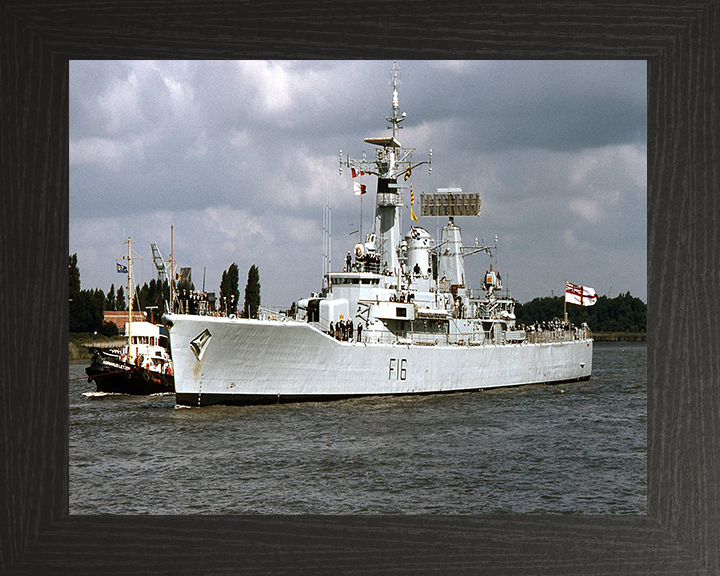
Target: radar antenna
(392, 160)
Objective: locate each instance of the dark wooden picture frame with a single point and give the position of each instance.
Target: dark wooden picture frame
(681, 532)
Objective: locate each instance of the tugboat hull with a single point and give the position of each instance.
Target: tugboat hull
(123, 378)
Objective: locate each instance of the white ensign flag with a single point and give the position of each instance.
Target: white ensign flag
(582, 295)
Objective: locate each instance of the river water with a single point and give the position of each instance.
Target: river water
(564, 449)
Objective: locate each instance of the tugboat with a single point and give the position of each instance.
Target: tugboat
(143, 365)
(400, 317)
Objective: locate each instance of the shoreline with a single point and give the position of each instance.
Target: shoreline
(619, 336)
(78, 343)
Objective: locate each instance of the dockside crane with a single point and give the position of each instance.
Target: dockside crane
(161, 264)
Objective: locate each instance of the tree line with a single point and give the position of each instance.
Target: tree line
(87, 307)
(624, 313)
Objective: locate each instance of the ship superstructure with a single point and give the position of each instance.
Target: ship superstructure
(410, 288)
(398, 318)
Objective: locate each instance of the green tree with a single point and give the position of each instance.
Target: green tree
(97, 309)
(74, 276)
(154, 293)
(624, 313)
(165, 294)
(86, 306)
(74, 293)
(80, 318)
(120, 300)
(109, 329)
(252, 293)
(229, 285)
(136, 301)
(89, 308)
(110, 301)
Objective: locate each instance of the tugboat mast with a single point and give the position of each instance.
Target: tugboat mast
(130, 259)
(130, 301)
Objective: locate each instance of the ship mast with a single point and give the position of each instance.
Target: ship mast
(130, 306)
(130, 258)
(391, 161)
(172, 275)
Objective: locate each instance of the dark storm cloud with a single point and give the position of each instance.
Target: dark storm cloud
(552, 105)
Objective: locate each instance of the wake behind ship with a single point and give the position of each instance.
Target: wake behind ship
(399, 318)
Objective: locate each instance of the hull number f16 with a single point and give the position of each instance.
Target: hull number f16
(397, 369)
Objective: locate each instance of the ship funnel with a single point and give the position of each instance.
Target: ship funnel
(419, 244)
(451, 264)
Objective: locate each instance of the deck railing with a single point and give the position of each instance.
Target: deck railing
(272, 314)
(470, 338)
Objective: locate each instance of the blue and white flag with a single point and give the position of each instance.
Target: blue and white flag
(121, 268)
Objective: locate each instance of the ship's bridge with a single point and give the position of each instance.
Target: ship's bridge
(355, 286)
(367, 279)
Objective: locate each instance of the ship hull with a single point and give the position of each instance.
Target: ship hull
(238, 361)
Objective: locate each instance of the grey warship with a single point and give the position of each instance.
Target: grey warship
(399, 318)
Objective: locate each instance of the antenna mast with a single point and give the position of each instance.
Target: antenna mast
(130, 258)
(391, 161)
(172, 274)
(130, 307)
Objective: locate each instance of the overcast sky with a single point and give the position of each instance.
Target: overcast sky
(239, 157)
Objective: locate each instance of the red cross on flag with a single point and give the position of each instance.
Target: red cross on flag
(581, 295)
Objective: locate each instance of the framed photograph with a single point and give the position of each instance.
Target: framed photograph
(675, 535)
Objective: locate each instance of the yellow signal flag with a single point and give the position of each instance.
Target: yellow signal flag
(412, 201)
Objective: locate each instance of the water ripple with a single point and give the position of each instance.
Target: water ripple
(575, 449)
